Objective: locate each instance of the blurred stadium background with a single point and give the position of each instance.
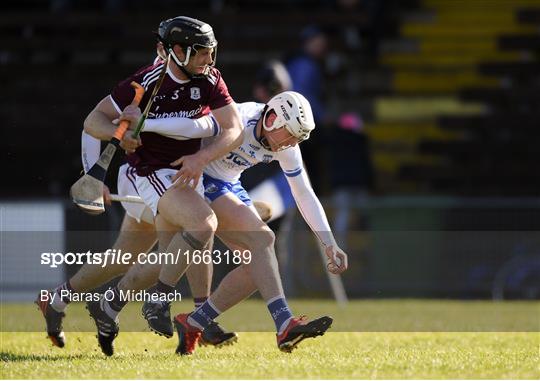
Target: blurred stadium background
(433, 185)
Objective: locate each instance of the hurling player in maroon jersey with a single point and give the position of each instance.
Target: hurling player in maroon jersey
(191, 88)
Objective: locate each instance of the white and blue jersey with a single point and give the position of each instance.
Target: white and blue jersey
(223, 175)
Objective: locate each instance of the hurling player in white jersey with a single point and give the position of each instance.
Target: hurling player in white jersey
(272, 132)
(239, 224)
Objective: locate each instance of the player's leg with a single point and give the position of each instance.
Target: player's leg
(235, 216)
(107, 326)
(199, 223)
(144, 275)
(134, 237)
(236, 286)
(238, 283)
(105, 312)
(199, 277)
(177, 206)
(200, 281)
(183, 215)
(240, 225)
(140, 276)
(184, 208)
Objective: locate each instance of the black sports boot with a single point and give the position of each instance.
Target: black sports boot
(158, 316)
(107, 327)
(299, 329)
(216, 336)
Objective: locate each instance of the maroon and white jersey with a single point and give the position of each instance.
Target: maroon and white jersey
(176, 98)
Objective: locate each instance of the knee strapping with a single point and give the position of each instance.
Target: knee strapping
(192, 241)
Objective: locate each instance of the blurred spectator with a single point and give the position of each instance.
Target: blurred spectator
(306, 69)
(352, 176)
(365, 37)
(350, 32)
(270, 80)
(350, 153)
(307, 74)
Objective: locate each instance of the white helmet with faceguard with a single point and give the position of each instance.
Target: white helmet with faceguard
(293, 112)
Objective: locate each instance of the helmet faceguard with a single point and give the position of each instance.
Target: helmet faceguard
(191, 34)
(293, 112)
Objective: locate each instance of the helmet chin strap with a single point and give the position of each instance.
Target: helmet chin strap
(263, 141)
(266, 145)
(181, 64)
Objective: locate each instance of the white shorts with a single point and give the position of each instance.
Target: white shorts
(127, 187)
(150, 188)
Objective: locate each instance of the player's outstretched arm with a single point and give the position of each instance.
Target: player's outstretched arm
(311, 209)
(183, 128)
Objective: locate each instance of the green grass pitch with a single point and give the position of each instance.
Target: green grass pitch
(367, 354)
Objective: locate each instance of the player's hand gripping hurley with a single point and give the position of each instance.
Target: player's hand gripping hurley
(87, 192)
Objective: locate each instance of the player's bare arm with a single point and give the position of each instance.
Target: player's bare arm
(99, 123)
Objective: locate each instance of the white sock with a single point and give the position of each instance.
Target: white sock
(192, 322)
(58, 304)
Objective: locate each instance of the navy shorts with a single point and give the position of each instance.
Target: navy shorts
(214, 188)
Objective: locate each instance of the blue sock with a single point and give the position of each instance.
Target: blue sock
(204, 315)
(280, 311)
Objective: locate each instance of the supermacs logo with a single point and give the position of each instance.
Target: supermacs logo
(176, 114)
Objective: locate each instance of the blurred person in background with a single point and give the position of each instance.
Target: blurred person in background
(364, 36)
(306, 69)
(271, 79)
(352, 177)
